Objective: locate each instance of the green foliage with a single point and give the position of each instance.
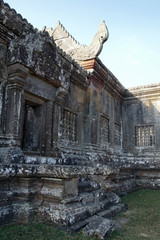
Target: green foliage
(143, 215)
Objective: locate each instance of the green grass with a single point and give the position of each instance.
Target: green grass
(144, 216)
(143, 223)
(37, 231)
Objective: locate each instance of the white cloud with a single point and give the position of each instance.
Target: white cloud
(131, 59)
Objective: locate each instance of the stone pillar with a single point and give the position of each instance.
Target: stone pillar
(16, 77)
(94, 102)
(91, 113)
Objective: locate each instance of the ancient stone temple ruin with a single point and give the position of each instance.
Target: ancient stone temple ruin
(72, 138)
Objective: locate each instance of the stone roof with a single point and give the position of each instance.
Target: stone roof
(13, 21)
(155, 85)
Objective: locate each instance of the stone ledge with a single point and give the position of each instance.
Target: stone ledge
(55, 171)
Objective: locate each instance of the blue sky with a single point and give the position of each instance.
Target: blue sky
(132, 52)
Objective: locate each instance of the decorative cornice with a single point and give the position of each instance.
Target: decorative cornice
(99, 72)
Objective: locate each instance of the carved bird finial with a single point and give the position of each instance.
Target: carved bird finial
(77, 51)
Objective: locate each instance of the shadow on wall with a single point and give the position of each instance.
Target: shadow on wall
(141, 120)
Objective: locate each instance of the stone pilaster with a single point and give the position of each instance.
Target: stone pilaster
(2, 105)
(3, 78)
(48, 130)
(14, 95)
(57, 121)
(93, 106)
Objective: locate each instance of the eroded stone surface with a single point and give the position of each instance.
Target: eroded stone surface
(99, 227)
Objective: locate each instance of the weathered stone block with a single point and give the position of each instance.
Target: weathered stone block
(59, 188)
(99, 227)
(71, 187)
(6, 214)
(53, 188)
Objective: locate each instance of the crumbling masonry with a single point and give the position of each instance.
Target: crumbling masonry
(71, 136)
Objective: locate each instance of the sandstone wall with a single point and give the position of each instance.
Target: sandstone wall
(141, 120)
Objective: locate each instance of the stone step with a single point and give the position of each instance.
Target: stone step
(86, 211)
(113, 198)
(96, 207)
(90, 197)
(81, 224)
(87, 185)
(99, 227)
(97, 196)
(78, 225)
(113, 210)
(73, 212)
(99, 222)
(82, 212)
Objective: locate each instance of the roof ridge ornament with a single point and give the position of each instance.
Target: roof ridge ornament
(74, 49)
